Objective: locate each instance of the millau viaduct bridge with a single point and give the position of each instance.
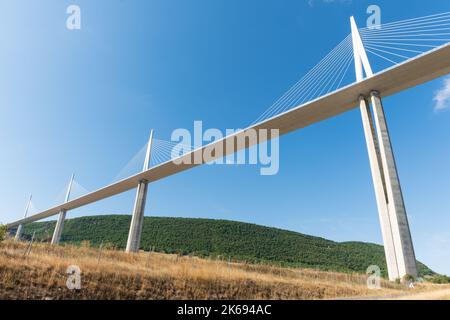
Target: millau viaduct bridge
(366, 93)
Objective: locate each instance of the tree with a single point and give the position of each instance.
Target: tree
(3, 231)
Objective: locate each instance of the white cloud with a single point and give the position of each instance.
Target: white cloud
(442, 96)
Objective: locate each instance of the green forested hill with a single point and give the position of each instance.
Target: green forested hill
(228, 239)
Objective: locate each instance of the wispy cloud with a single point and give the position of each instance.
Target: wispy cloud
(442, 96)
(313, 2)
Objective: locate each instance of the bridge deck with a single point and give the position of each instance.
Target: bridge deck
(421, 69)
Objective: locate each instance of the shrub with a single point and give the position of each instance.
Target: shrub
(407, 278)
(108, 245)
(85, 244)
(440, 279)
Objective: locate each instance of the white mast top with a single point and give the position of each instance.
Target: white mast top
(148, 153)
(28, 206)
(69, 188)
(361, 59)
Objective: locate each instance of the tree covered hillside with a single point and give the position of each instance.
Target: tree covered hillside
(228, 239)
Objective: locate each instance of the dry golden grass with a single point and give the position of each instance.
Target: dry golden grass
(442, 294)
(111, 274)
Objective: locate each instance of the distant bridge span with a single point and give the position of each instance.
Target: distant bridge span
(408, 74)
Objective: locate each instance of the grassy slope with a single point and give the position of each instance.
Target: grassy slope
(42, 274)
(229, 239)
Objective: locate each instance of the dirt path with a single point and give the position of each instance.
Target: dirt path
(438, 294)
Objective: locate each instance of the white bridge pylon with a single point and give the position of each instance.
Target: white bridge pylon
(398, 246)
(62, 216)
(137, 219)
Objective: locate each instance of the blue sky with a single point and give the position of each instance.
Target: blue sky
(84, 101)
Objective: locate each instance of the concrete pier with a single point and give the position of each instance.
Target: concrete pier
(58, 228)
(404, 249)
(380, 189)
(137, 219)
(62, 217)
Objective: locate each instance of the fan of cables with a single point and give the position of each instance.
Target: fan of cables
(396, 42)
(163, 151)
(327, 76)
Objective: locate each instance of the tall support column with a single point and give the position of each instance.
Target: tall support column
(379, 185)
(137, 220)
(20, 227)
(59, 227)
(400, 258)
(62, 217)
(406, 258)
